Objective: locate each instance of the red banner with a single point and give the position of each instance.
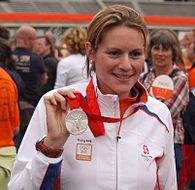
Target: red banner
(86, 18)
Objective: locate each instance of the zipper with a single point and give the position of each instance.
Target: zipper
(118, 137)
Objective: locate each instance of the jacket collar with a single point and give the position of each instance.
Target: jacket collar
(142, 96)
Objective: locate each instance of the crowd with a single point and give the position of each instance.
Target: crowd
(137, 137)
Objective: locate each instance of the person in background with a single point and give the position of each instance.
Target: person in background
(9, 65)
(113, 136)
(165, 55)
(187, 180)
(191, 57)
(30, 67)
(44, 47)
(4, 33)
(9, 117)
(70, 69)
(185, 43)
(52, 37)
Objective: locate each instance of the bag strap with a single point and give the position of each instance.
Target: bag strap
(174, 72)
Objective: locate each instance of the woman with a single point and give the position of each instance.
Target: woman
(70, 69)
(165, 55)
(128, 141)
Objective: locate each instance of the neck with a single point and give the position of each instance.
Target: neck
(163, 70)
(46, 53)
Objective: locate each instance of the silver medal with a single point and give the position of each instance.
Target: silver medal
(76, 121)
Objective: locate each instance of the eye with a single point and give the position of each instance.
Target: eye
(136, 54)
(166, 49)
(156, 48)
(114, 53)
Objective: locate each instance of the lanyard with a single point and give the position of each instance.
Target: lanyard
(92, 110)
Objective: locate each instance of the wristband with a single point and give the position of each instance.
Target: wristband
(47, 151)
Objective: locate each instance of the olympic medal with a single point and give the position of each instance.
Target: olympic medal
(76, 121)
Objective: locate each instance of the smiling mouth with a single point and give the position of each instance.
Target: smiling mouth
(123, 77)
(160, 59)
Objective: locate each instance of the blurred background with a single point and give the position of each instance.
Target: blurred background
(58, 15)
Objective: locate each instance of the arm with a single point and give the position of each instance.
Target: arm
(166, 165)
(33, 170)
(62, 74)
(38, 62)
(16, 131)
(180, 97)
(14, 112)
(44, 79)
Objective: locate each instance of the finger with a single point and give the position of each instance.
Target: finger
(67, 92)
(50, 100)
(59, 98)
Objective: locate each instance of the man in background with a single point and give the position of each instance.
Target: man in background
(4, 33)
(45, 48)
(30, 66)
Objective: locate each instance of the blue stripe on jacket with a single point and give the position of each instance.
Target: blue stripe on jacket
(51, 175)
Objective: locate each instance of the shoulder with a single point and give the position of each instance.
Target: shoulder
(7, 83)
(161, 111)
(36, 58)
(50, 60)
(178, 73)
(144, 76)
(5, 77)
(156, 105)
(180, 77)
(74, 58)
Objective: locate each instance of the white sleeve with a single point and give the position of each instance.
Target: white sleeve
(31, 166)
(62, 74)
(167, 169)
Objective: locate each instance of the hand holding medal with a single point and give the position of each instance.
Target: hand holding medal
(56, 109)
(81, 114)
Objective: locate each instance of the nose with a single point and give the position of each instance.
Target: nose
(160, 51)
(125, 63)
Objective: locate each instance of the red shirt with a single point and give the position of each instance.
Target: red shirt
(191, 78)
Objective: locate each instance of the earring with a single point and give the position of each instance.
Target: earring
(91, 62)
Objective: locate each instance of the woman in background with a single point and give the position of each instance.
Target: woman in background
(165, 55)
(71, 69)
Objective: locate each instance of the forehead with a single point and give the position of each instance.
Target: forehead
(162, 39)
(122, 35)
(162, 46)
(40, 40)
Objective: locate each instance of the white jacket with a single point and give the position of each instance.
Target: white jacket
(71, 70)
(143, 158)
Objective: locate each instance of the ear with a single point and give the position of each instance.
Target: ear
(89, 51)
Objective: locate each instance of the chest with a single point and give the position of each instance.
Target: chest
(107, 163)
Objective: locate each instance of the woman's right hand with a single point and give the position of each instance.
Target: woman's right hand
(56, 109)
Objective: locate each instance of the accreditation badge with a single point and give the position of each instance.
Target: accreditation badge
(83, 152)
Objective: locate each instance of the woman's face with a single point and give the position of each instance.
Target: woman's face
(119, 60)
(161, 57)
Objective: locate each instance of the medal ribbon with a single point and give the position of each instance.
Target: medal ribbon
(92, 110)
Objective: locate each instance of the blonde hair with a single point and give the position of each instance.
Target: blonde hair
(112, 16)
(74, 40)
